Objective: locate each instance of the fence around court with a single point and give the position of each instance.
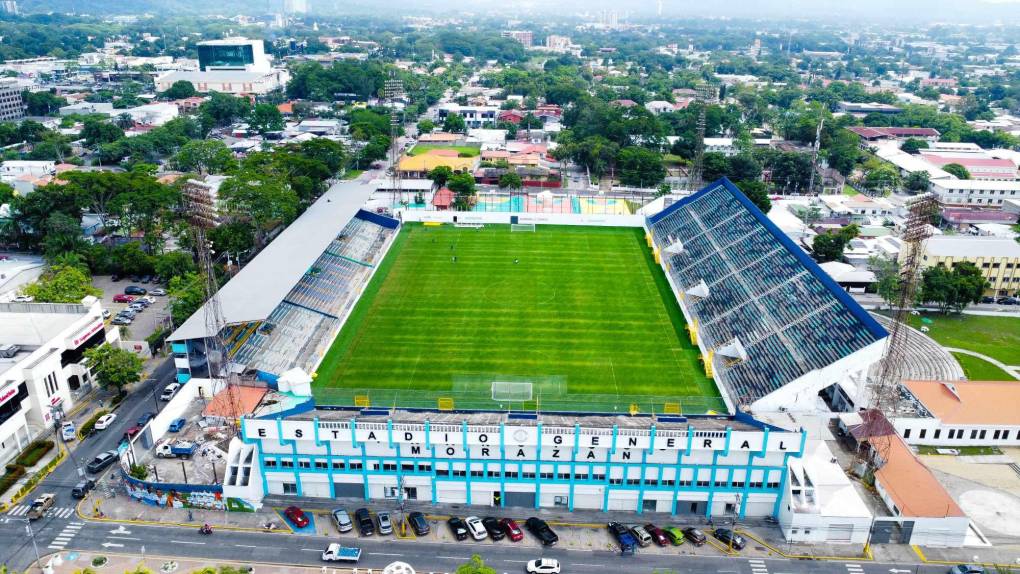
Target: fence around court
(481, 400)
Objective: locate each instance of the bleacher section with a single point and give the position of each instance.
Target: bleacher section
(302, 326)
(762, 290)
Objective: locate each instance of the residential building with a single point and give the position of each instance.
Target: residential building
(974, 192)
(996, 257)
(42, 373)
(960, 413)
(88, 108)
(155, 114)
(321, 127)
(863, 109)
(969, 219)
(980, 166)
(873, 134)
(12, 169)
(419, 166)
(474, 116)
(11, 105)
(524, 37)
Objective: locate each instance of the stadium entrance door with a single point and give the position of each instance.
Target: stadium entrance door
(522, 499)
(345, 490)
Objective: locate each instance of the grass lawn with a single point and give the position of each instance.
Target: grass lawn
(353, 173)
(471, 151)
(964, 450)
(847, 190)
(586, 316)
(996, 337)
(981, 370)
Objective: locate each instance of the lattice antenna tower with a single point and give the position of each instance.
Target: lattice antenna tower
(393, 91)
(705, 94)
(202, 216)
(884, 389)
(814, 154)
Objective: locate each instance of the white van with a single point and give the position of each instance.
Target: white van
(169, 391)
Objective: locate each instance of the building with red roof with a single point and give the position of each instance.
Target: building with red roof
(443, 199)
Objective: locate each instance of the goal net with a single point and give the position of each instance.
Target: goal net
(507, 391)
(522, 227)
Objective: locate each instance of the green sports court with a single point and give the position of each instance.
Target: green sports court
(576, 318)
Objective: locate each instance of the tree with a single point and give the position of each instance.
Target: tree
(265, 118)
(640, 167)
(204, 156)
(463, 185)
(260, 198)
(426, 126)
(42, 103)
(113, 368)
(62, 284)
(829, 246)
(475, 566)
(757, 192)
(454, 124)
(97, 131)
(174, 264)
(62, 234)
(952, 289)
(440, 175)
(913, 145)
(186, 295)
(329, 152)
(179, 90)
(883, 177)
(956, 169)
(233, 237)
(743, 167)
(917, 181)
(222, 109)
(887, 277)
(843, 152)
(129, 259)
(510, 180)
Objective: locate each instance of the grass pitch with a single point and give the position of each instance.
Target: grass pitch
(582, 312)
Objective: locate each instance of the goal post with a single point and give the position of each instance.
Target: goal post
(511, 391)
(522, 227)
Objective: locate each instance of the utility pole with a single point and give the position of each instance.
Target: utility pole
(814, 157)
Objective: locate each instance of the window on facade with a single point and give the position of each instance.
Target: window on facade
(973, 434)
(906, 433)
(720, 483)
(982, 434)
(547, 476)
(564, 476)
(321, 464)
(442, 472)
(738, 484)
(633, 481)
(407, 467)
(651, 482)
(287, 463)
(771, 485)
(373, 466)
(665, 482)
(389, 466)
(528, 475)
(511, 474)
(354, 465)
(1005, 434)
(289, 488)
(685, 483)
(755, 484)
(477, 473)
(270, 463)
(338, 464)
(995, 436)
(304, 464)
(922, 433)
(599, 477)
(703, 483)
(459, 473)
(615, 481)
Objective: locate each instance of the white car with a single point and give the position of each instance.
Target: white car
(24, 299)
(67, 431)
(105, 421)
(544, 566)
(476, 528)
(158, 293)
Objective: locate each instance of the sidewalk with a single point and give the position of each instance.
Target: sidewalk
(10, 498)
(71, 562)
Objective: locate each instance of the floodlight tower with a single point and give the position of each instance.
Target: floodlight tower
(704, 94)
(393, 90)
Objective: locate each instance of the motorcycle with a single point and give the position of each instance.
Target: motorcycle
(268, 527)
(205, 529)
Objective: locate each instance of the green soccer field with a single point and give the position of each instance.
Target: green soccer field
(582, 313)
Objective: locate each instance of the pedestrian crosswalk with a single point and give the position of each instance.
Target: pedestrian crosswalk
(55, 512)
(65, 536)
(758, 567)
(854, 569)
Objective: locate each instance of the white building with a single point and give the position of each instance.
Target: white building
(11, 170)
(961, 413)
(973, 192)
(235, 82)
(474, 116)
(41, 370)
(153, 114)
(88, 108)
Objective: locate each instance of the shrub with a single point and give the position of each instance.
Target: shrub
(139, 471)
(34, 452)
(14, 472)
(87, 426)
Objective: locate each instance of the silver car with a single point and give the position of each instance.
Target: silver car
(342, 520)
(385, 524)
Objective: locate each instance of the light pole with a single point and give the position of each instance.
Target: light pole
(31, 534)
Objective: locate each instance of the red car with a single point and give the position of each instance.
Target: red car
(132, 431)
(297, 516)
(657, 534)
(513, 532)
(121, 298)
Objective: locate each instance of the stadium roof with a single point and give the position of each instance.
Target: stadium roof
(763, 292)
(258, 288)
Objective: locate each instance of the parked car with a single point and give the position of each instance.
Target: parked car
(385, 524)
(296, 516)
(729, 538)
(104, 422)
(492, 526)
(418, 523)
(544, 566)
(366, 526)
(988, 299)
(83, 487)
(118, 320)
(132, 431)
(457, 528)
(147, 279)
(158, 292)
(137, 307)
(1004, 301)
(513, 532)
(658, 536)
(24, 299)
(640, 534)
(623, 537)
(68, 431)
(695, 536)
(674, 534)
(41, 505)
(967, 569)
(102, 460)
(136, 278)
(148, 300)
(539, 529)
(169, 392)
(176, 425)
(145, 418)
(134, 290)
(342, 520)
(476, 528)
(121, 298)
(115, 278)
(106, 313)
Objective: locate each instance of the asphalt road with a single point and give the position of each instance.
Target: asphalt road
(17, 549)
(259, 547)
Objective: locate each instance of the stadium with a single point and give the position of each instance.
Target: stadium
(520, 359)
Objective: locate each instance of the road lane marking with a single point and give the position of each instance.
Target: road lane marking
(384, 554)
(312, 549)
(466, 558)
(123, 538)
(246, 546)
(185, 542)
(517, 561)
(588, 565)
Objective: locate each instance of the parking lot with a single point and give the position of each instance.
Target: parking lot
(144, 323)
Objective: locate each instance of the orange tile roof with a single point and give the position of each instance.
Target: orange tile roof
(234, 401)
(970, 402)
(286, 108)
(912, 487)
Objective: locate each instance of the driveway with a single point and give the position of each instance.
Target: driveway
(145, 322)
